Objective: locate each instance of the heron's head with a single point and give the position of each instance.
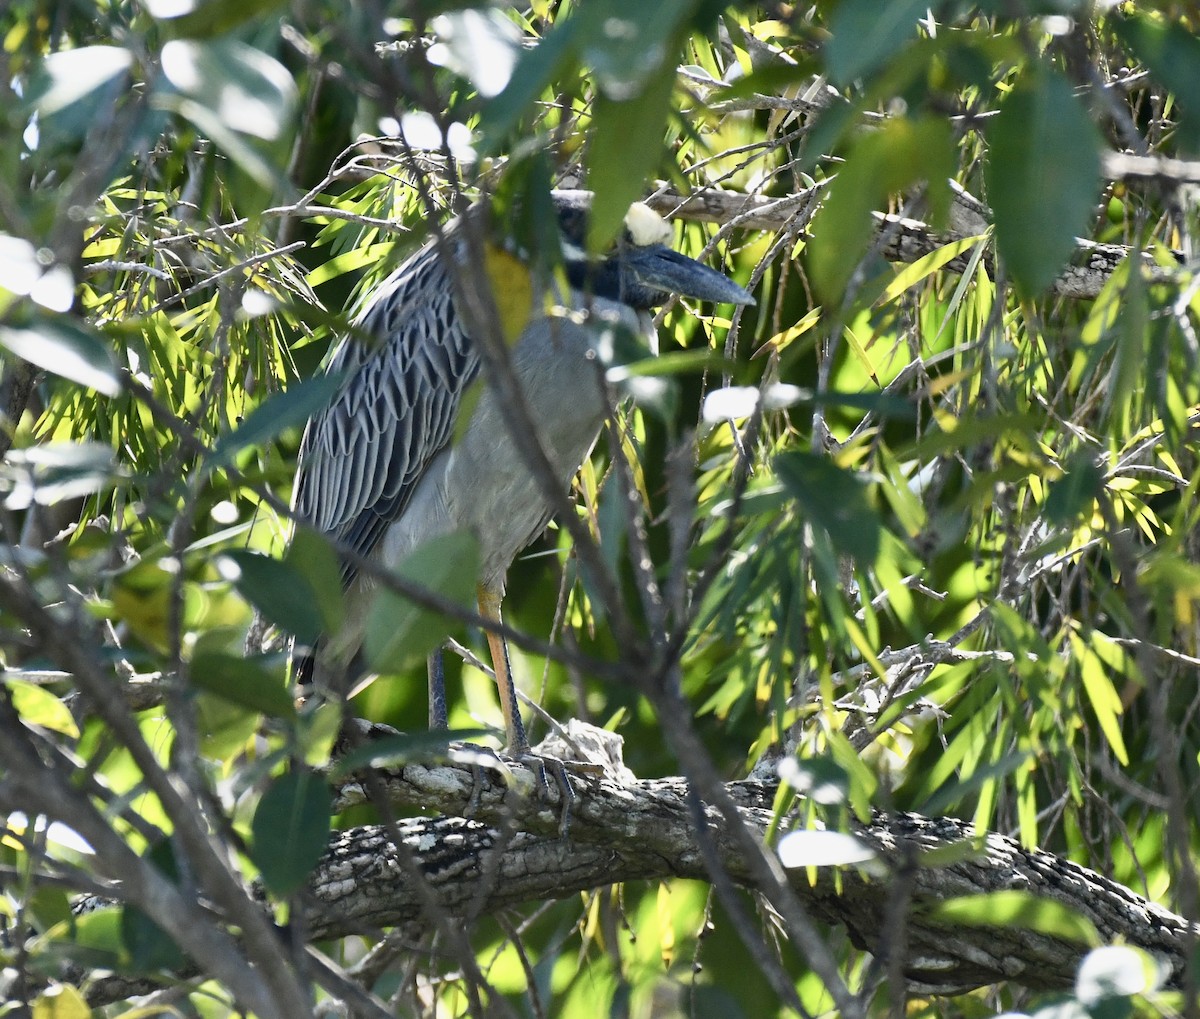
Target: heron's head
(642, 270)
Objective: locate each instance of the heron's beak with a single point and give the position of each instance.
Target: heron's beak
(658, 267)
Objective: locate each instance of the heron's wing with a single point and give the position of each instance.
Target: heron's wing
(362, 457)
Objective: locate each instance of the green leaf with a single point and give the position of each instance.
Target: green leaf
(1172, 52)
(834, 500)
(69, 76)
(866, 33)
(823, 849)
(280, 592)
(401, 633)
(150, 948)
(41, 708)
(536, 70)
(61, 1001)
(288, 409)
(1075, 493)
(1115, 971)
(626, 43)
(820, 779)
(311, 555)
(1043, 171)
(67, 348)
(1012, 908)
(55, 472)
(955, 792)
(290, 830)
(880, 164)
(236, 95)
(480, 44)
(207, 18)
(393, 751)
(243, 681)
(626, 146)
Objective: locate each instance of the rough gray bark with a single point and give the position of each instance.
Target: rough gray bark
(393, 875)
(899, 239)
(644, 831)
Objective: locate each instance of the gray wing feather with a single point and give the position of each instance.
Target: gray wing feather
(361, 458)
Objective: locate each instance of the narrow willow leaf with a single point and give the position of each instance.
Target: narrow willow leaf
(1018, 909)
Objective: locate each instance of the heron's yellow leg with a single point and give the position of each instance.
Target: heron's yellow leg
(489, 608)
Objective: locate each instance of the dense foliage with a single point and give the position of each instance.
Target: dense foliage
(923, 517)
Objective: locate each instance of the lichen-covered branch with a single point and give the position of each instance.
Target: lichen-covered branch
(643, 831)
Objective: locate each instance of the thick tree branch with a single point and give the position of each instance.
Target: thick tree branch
(900, 239)
(628, 830)
(643, 831)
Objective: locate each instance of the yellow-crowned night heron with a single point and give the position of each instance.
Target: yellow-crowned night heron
(380, 469)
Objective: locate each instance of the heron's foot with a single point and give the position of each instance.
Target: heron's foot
(480, 760)
(544, 767)
(551, 775)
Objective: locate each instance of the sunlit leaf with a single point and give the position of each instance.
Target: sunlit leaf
(55, 472)
(823, 849)
(70, 75)
(236, 95)
(1115, 971)
(62, 1001)
(67, 348)
(40, 707)
(820, 779)
(1012, 908)
(480, 44)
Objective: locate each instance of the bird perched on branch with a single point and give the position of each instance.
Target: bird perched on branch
(408, 451)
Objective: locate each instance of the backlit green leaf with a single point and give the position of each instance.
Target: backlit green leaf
(401, 633)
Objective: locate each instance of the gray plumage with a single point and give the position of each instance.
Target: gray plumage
(380, 469)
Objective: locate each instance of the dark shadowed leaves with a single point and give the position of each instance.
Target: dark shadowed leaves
(1043, 170)
(280, 592)
(1076, 491)
(290, 830)
(1172, 52)
(833, 500)
(882, 163)
(243, 681)
(866, 33)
